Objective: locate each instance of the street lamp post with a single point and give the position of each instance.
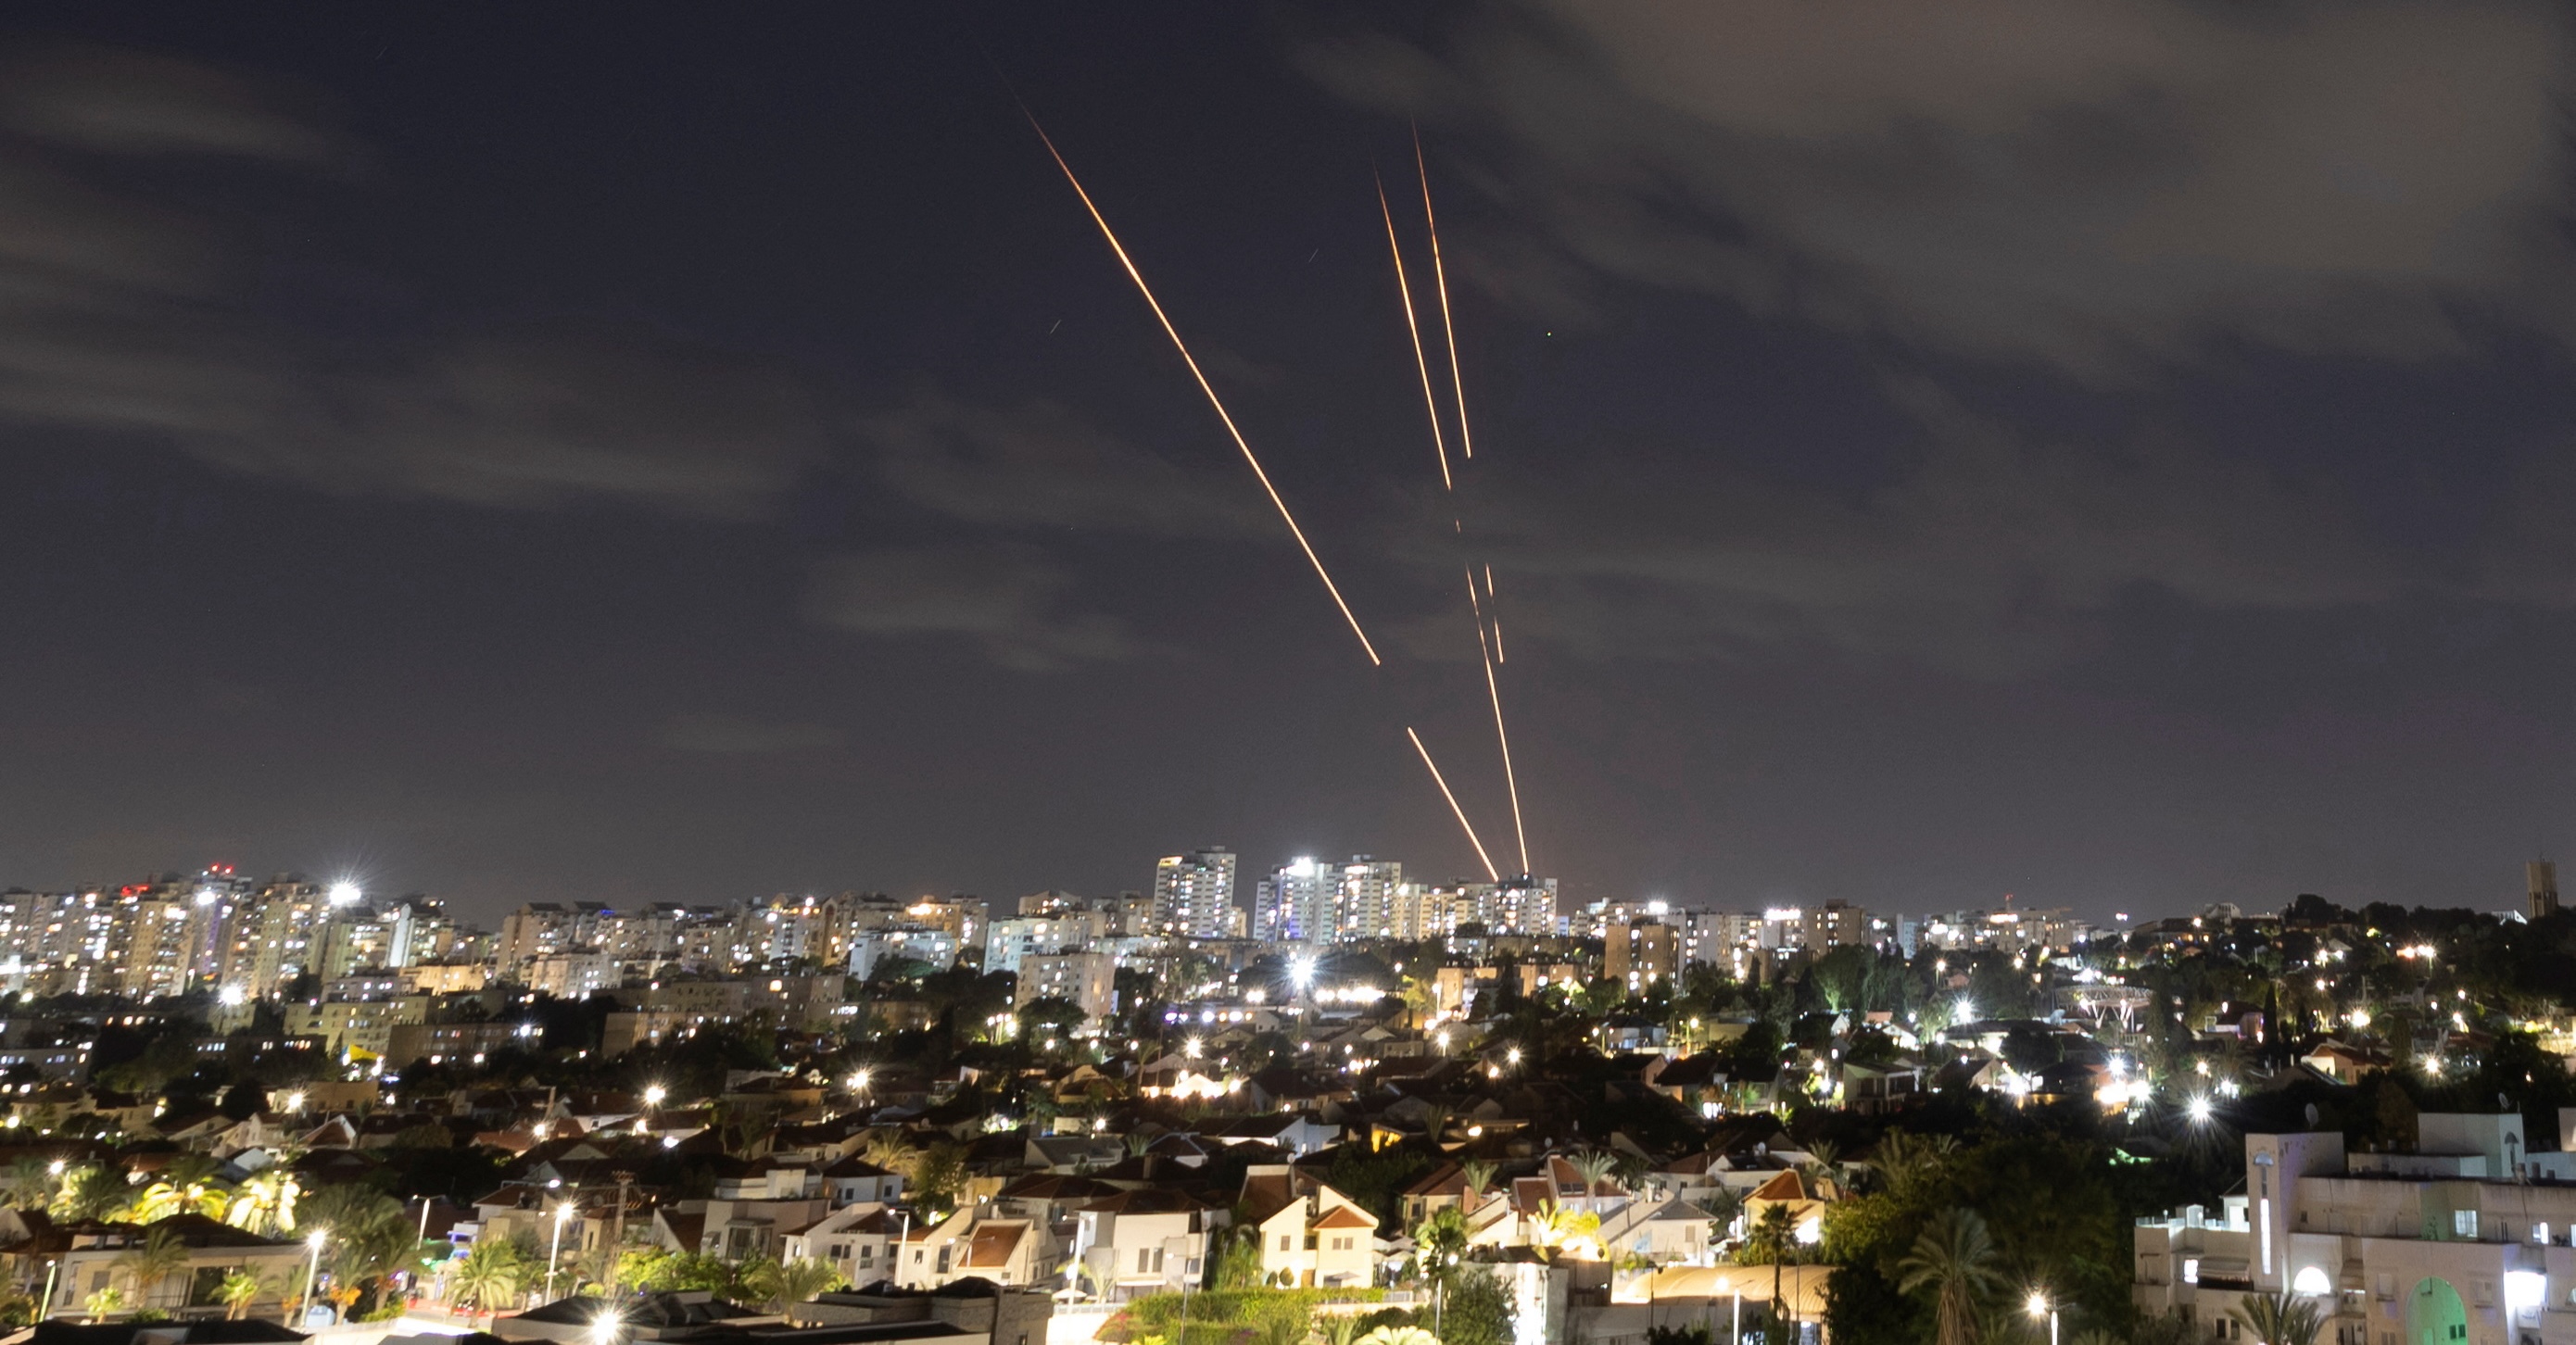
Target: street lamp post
(563, 1215)
(312, 1271)
(2040, 1307)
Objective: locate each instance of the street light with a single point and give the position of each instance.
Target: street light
(603, 1328)
(653, 1095)
(2039, 1307)
(563, 1215)
(312, 1270)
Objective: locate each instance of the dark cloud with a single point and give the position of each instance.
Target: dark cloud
(124, 319)
(1992, 555)
(738, 735)
(1005, 599)
(2092, 187)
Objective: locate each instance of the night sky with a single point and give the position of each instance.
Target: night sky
(2115, 454)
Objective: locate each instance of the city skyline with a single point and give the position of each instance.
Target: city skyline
(788, 499)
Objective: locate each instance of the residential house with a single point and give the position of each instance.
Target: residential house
(1311, 1236)
(1146, 1241)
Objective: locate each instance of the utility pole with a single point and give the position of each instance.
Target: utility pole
(617, 1241)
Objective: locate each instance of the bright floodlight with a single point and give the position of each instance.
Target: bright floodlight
(2038, 1305)
(603, 1328)
(318, 1237)
(859, 1082)
(2197, 1108)
(294, 1102)
(1301, 973)
(654, 1094)
(344, 893)
(233, 995)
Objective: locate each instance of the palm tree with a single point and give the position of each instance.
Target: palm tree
(489, 1275)
(1593, 1166)
(237, 1291)
(1954, 1257)
(2278, 1319)
(888, 1151)
(164, 1198)
(371, 1234)
(802, 1281)
(147, 1263)
(1478, 1173)
(264, 1203)
(1772, 1242)
(93, 1193)
(28, 1184)
(1556, 1227)
(1825, 1163)
(1440, 1238)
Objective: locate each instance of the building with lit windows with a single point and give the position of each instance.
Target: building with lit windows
(2463, 1241)
(1194, 895)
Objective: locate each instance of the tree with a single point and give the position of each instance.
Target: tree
(28, 1184)
(104, 1301)
(1593, 1166)
(1475, 1311)
(264, 1203)
(93, 1193)
(1556, 1228)
(940, 1177)
(1954, 1257)
(802, 1281)
(2278, 1319)
(488, 1276)
(1440, 1239)
(237, 1291)
(150, 1262)
(1478, 1173)
(370, 1235)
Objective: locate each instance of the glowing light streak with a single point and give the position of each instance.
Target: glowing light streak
(1421, 362)
(1440, 277)
(1494, 691)
(1455, 810)
(1204, 386)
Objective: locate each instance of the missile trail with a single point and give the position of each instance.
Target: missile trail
(1453, 804)
(1421, 362)
(1440, 275)
(1494, 690)
(1204, 386)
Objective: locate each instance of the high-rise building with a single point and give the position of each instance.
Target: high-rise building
(1194, 895)
(1364, 898)
(2540, 878)
(1294, 904)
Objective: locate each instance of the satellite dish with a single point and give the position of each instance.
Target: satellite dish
(2312, 1116)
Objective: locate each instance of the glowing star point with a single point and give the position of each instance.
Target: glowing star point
(1276, 500)
(1460, 813)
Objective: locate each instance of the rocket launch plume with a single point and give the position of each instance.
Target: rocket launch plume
(1440, 277)
(1421, 362)
(1204, 386)
(1454, 809)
